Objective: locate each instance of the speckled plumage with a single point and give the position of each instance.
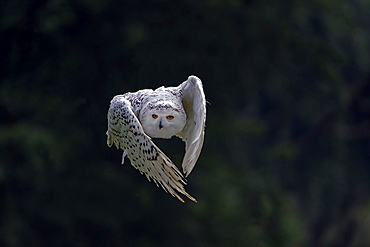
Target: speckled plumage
(133, 118)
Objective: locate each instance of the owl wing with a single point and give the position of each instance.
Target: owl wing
(126, 133)
(194, 103)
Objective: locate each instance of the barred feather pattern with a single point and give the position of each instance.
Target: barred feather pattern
(130, 114)
(126, 133)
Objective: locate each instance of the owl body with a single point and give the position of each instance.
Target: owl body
(135, 118)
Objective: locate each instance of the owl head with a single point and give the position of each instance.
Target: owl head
(163, 119)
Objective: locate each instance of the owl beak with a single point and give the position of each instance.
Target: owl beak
(160, 125)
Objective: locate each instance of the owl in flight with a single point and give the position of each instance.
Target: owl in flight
(135, 118)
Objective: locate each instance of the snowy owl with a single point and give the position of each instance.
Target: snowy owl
(135, 118)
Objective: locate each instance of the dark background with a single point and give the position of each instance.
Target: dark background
(287, 149)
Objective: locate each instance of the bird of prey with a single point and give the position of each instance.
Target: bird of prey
(135, 118)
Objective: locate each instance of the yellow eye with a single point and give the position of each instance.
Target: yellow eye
(170, 117)
(154, 116)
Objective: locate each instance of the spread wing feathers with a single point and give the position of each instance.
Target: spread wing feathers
(194, 103)
(126, 132)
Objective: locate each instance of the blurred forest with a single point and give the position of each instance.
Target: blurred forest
(286, 159)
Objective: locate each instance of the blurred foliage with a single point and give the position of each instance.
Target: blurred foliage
(286, 156)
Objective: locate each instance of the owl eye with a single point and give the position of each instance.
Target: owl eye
(154, 116)
(170, 117)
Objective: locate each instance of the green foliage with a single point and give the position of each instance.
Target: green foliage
(285, 160)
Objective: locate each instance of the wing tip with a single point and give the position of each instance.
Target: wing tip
(193, 78)
(187, 195)
(187, 173)
(193, 199)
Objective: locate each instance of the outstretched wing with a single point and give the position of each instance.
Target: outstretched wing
(194, 103)
(126, 132)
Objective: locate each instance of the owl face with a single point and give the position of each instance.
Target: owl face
(163, 122)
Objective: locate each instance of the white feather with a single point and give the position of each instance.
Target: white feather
(161, 113)
(194, 103)
(126, 133)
